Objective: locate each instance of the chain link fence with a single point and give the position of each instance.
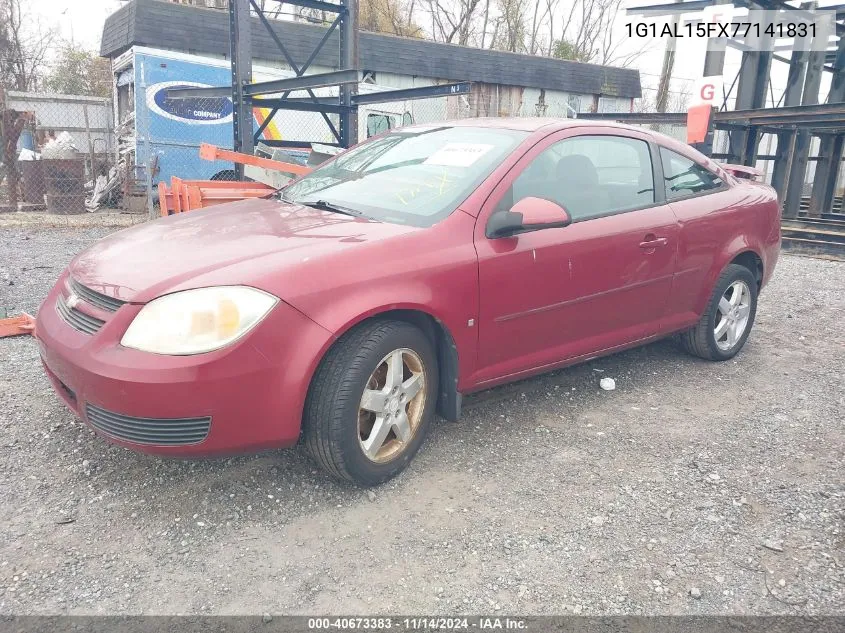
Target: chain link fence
(159, 137)
(55, 149)
(63, 153)
(70, 157)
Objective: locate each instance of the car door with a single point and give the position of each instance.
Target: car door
(604, 281)
(711, 216)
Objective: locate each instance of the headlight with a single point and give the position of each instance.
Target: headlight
(197, 321)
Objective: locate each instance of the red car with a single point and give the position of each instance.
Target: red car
(419, 266)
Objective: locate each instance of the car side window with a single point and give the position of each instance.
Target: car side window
(683, 176)
(589, 176)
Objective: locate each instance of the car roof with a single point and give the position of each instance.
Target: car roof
(525, 124)
(549, 125)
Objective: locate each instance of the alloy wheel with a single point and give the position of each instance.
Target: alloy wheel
(392, 406)
(732, 315)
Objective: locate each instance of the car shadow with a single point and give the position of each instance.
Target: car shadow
(293, 465)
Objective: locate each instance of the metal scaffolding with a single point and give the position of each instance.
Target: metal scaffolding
(795, 120)
(247, 95)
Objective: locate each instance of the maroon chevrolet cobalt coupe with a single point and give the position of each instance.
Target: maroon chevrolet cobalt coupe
(421, 265)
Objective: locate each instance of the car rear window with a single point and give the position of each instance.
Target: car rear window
(684, 177)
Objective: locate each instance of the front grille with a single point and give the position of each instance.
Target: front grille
(159, 431)
(78, 319)
(109, 304)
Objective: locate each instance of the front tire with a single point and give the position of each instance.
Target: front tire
(371, 402)
(726, 323)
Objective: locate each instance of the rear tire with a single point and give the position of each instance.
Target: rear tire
(726, 323)
(371, 402)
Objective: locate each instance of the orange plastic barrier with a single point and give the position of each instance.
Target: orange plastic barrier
(16, 326)
(212, 152)
(187, 195)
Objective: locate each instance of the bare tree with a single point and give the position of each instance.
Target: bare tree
(611, 50)
(541, 42)
(587, 34)
(676, 100)
(388, 16)
(453, 21)
(551, 10)
(581, 30)
(23, 47)
(512, 27)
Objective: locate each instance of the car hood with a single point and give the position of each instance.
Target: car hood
(250, 242)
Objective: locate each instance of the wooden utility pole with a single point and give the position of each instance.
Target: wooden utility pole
(662, 99)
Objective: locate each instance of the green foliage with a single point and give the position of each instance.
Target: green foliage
(80, 72)
(565, 49)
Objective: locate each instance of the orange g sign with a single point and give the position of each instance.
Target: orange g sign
(707, 90)
(706, 94)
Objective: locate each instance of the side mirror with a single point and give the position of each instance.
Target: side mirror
(529, 214)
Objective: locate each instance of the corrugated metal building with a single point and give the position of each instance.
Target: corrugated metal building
(505, 84)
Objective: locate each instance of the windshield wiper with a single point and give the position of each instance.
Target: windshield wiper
(324, 205)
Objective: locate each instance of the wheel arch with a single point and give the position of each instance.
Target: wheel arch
(751, 260)
(739, 252)
(448, 396)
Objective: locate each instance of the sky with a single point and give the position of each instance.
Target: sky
(81, 21)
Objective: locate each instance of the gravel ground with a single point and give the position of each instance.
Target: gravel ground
(693, 488)
(38, 220)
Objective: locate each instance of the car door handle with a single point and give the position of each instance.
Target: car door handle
(654, 243)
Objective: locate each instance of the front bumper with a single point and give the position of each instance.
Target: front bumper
(251, 393)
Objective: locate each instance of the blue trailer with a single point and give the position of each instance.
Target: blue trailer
(166, 133)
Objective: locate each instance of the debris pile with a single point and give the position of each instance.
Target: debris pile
(125, 133)
(105, 189)
(61, 147)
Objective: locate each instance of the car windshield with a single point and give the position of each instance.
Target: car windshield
(417, 176)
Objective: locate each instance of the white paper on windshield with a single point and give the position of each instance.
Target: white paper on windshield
(458, 154)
